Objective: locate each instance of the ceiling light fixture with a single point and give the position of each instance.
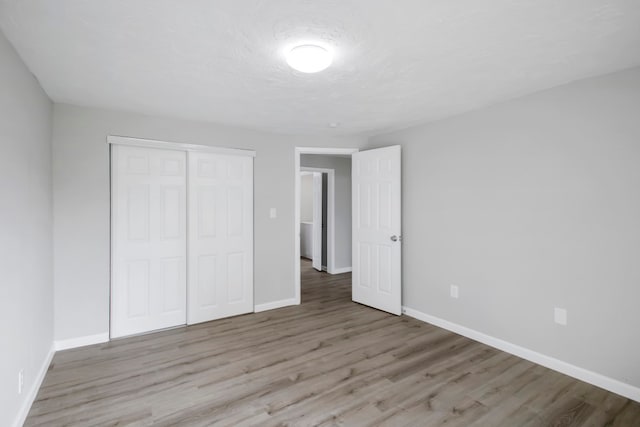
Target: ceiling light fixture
(309, 58)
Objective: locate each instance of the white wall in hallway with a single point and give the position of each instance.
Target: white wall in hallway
(306, 197)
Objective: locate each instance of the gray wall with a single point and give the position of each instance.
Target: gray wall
(81, 207)
(26, 291)
(530, 205)
(342, 166)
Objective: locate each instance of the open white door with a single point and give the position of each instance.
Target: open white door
(220, 236)
(376, 210)
(317, 221)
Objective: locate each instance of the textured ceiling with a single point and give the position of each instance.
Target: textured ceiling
(397, 62)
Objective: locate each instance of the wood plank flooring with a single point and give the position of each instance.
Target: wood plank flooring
(326, 362)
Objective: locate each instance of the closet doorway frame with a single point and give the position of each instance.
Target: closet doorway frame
(176, 146)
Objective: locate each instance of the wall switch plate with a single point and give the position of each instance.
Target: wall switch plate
(560, 316)
(272, 213)
(454, 291)
(20, 381)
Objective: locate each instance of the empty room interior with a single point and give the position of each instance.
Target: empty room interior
(304, 213)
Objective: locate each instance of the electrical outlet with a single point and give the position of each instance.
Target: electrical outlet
(560, 316)
(20, 381)
(272, 213)
(454, 291)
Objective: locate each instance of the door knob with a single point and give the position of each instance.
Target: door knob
(394, 238)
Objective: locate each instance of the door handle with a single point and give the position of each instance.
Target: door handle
(395, 238)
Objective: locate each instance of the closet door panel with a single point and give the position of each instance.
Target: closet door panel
(220, 236)
(148, 239)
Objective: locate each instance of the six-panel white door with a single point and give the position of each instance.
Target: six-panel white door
(376, 210)
(220, 236)
(148, 202)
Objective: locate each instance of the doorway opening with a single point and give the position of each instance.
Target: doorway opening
(374, 237)
(323, 240)
(317, 230)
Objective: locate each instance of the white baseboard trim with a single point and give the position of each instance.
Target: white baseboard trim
(81, 341)
(341, 270)
(275, 304)
(33, 392)
(599, 380)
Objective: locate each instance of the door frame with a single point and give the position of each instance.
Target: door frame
(331, 214)
(298, 151)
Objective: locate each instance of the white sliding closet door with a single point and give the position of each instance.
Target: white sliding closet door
(149, 239)
(220, 236)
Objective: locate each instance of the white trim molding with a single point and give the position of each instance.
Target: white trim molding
(81, 341)
(341, 270)
(327, 151)
(599, 380)
(33, 392)
(152, 143)
(274, 305)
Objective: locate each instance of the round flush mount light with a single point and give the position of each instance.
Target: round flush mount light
(309, 58)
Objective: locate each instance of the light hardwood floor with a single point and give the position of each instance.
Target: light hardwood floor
(328, 361)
